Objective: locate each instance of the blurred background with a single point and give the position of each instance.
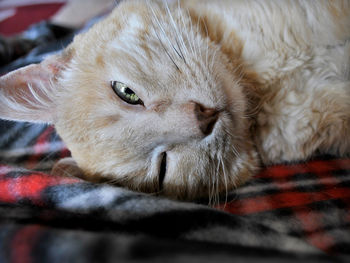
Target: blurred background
(31, 29)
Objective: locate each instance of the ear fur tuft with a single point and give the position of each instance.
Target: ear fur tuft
(28, 94)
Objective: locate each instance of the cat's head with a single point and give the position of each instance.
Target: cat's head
(143, 100)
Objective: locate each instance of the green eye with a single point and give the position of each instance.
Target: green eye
(125, 93)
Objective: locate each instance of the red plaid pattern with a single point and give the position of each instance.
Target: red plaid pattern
(290, 183)
(287, 213)
(315, 195)
(307, 200)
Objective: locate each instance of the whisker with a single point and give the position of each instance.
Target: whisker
(190, 31)
(225, 181)
(166, 51)
(165, 35)
(180, 54)
(218, 186)
(213, 59)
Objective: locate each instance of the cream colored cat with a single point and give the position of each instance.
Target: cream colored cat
(189, 98)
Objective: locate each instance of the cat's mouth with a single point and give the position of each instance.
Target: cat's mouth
(162, 171)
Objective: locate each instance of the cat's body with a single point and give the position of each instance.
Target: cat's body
(224, 86)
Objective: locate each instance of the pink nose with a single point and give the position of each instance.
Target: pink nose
(205, 117)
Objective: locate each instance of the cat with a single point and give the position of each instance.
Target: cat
(190, 98)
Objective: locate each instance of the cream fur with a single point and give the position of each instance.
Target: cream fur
(276, 72)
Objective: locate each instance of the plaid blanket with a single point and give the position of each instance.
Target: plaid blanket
(286, 213)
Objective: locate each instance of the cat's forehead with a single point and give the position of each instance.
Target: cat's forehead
(146, 46)
(152, 46)
(149, 47)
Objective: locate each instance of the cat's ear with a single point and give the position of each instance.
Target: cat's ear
(27, 94)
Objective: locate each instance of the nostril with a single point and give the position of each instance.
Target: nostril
(203, 113)
(206, 118)
(207, 126)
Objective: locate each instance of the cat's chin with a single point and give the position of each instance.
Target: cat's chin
(212, 183)
(189, 175)
(189, 179)
(195, 168)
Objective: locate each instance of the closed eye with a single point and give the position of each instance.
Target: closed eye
(125, 93)
(162, 171)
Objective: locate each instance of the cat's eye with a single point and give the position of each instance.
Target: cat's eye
(125, 93)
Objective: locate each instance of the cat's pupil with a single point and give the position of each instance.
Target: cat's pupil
(125, 93)
(129, 91)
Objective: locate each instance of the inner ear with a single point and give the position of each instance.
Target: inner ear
(28, 93)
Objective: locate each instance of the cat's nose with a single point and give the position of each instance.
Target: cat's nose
(205, 117)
